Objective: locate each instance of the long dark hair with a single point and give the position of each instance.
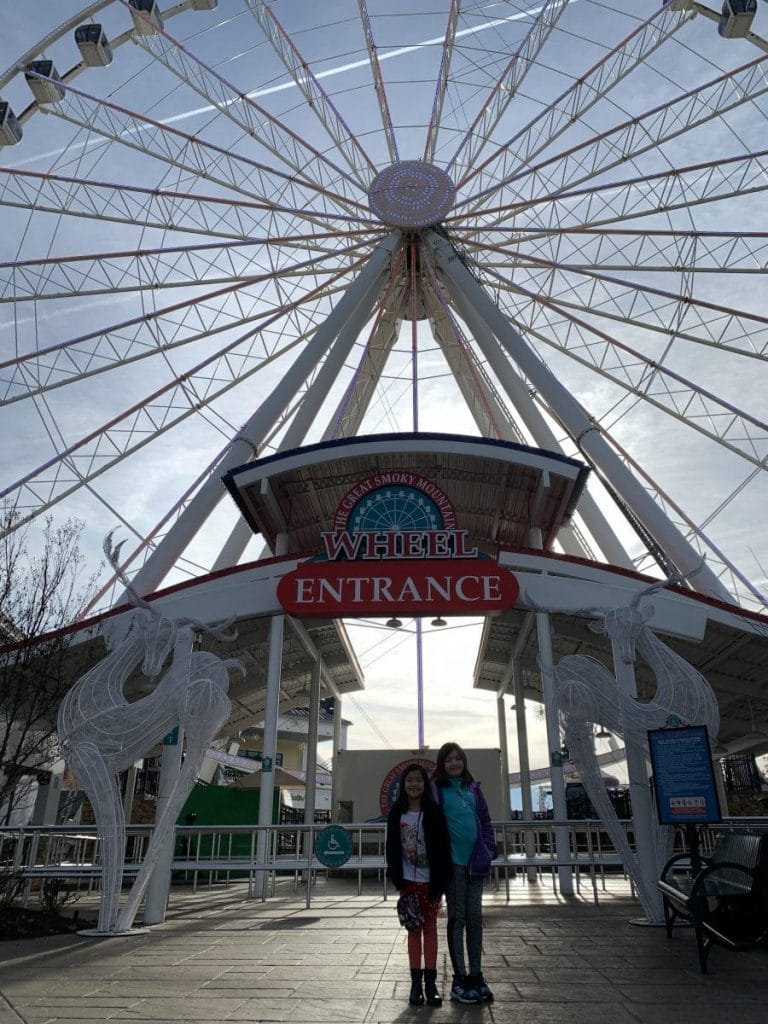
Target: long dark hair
(441, 776)
(401, 803)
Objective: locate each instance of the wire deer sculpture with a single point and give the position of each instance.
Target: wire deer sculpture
(102, 733)
(589, 694)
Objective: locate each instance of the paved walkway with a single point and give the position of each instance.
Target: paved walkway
(221, 957)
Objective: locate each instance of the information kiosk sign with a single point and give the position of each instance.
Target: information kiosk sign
(683, 776)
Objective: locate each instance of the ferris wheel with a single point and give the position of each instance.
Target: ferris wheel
(232, 227)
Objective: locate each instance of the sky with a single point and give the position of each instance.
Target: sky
(138, 287)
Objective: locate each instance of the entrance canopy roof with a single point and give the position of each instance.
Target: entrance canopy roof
(728, 645)
(499, 490)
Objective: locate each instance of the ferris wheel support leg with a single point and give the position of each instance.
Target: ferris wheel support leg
(571, 415)
(610, 545)
(306, 415)
(353, 308)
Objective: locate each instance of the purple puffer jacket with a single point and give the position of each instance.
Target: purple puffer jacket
(485, 849)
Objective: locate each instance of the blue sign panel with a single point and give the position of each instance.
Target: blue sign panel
(333, 846)
(683, 776)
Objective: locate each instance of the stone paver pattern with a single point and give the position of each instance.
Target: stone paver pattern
(223, 957)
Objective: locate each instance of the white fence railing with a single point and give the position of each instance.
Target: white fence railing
(207, 855)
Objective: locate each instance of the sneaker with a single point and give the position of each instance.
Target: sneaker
(463, 992)
(479, 984)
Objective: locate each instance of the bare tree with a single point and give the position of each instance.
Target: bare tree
(41, 592)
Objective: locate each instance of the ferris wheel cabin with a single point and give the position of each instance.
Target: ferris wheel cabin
(10, 129)
(92, 42)
(148, 25)
(47, 88)
(736, 18)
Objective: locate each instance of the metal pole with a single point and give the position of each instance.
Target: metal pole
(419, 686)
(336, 748)
(310, 794)
(269, 749)
(525, 763)
(501, 719)
(557, 780)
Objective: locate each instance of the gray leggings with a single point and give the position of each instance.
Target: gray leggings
(465, 915)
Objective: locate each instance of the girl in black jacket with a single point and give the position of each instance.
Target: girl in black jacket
(419, 860)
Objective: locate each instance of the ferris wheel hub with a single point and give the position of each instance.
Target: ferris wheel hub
(411, 194)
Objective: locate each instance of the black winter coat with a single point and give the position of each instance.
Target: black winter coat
(438, 845)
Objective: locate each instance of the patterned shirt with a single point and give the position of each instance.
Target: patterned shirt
(414, 847)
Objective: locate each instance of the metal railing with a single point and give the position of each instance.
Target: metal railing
(216, 854)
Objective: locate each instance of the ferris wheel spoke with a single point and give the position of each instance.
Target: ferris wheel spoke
(254, 120)
(495, 105)
(133, 205)
(164, 267)
(378, 80)
(622, 60)
(624, 143)
(622, 249)
(205, 160)
(98, 451)
(721, 421)
(443, 77)
(488, 408)
(676, 189)
(640, 305)
(316, 97)
(162, 330)
(737, 581)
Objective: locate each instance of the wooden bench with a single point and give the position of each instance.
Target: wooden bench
(726, 899)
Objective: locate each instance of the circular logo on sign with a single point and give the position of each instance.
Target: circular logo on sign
(390, 787)
(395, 500)
(395, 508)
(333, 846)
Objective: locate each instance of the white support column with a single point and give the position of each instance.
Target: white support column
(355, 306)
(269, 749)
(502, 722)
(159, 885)
(519, 395)
(466, 292)
(643, 818)
(336, 749)
(556, 777)
(524, 761)
(310, 796)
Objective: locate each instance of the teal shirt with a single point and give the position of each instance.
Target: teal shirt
(459, 808)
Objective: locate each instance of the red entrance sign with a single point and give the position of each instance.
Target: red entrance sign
(338, 589)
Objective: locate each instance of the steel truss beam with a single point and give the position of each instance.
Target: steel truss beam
(349, 315)
(522, 149)
(318, 101)
(469, 296)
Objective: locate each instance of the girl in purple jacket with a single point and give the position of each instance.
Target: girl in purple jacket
(473, 847)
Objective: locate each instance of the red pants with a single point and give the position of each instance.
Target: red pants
(427, 934)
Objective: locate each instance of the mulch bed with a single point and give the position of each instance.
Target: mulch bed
(25, 923)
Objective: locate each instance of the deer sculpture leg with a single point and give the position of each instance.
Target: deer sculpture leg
(204, 710)
(100, 785)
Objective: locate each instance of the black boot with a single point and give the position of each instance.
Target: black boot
(416, 998)
(430, 989)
